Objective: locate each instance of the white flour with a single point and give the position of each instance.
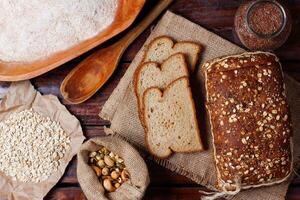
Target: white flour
(34, 29)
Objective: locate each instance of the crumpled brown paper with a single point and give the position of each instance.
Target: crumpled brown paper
(20, 96)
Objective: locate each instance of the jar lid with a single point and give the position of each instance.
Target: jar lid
(278, 30)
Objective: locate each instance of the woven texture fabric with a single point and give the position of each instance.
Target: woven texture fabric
(133, 189)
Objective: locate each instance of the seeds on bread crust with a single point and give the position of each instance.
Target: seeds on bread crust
(248, 109)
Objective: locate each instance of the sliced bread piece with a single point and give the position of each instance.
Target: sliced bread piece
(162, 47)
(152, 74)
(170, 119)
(158, 51)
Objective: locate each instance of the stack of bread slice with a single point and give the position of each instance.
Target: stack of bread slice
(166, 107)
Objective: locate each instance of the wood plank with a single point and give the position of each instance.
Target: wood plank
(156, 172)
(220, 22)
(66, 193)
(214, 15)
(218, 17)
(152, 193)
(87, 112)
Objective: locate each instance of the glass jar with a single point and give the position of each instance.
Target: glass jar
(262, 24)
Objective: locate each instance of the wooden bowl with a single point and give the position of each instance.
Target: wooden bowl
(15, 71)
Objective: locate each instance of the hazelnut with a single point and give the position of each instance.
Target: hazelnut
(117, 185)
(101, 163)
(108, 161)
(105, 171)
(97, 157)
(115, 175)
(108, 186)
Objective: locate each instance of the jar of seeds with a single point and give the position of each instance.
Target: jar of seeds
(263, 24)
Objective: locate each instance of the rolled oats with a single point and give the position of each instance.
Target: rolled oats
(31, 146)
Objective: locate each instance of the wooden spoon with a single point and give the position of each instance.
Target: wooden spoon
(89, 76)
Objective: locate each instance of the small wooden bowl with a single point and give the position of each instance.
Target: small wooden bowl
(15, 71)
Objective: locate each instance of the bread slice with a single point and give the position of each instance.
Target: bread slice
(158, 51)
(170, 119)
(162, 47)
(152, 74)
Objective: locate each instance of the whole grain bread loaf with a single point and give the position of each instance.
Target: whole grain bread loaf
(170, 119)
(249, 119)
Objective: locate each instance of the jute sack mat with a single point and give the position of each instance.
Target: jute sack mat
(121, 109)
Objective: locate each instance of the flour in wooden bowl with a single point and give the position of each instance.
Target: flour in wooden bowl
(35, 29)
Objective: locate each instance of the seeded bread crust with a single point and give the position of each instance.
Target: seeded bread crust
(249, 119)
(194, 144)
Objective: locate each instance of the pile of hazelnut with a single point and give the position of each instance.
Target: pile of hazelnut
(109, 168)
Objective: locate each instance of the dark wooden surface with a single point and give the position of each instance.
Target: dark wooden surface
(214, 15)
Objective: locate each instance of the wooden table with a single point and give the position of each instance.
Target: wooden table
(216, 16)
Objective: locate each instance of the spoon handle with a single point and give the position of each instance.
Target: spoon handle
(141, 26)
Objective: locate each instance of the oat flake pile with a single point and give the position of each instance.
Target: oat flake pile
(31, 146)
(31, 30)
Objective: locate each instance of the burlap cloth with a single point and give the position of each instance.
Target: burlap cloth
(121, 109)
(133, 189)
